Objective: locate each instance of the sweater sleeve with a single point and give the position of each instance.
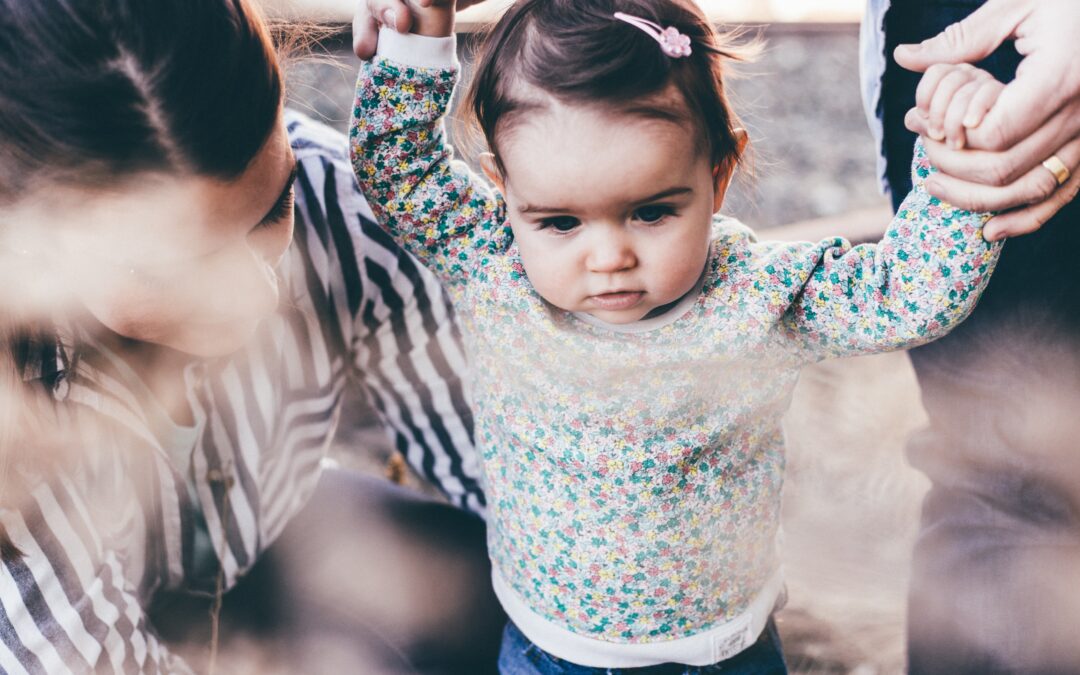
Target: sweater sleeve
(917, 284)
(432, 204)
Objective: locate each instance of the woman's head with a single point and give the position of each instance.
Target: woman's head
(96, 92)
(144, 163)
(612, 155)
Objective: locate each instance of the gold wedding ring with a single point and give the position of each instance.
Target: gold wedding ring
(1055, 166)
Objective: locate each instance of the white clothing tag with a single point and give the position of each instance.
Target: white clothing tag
(724, 648)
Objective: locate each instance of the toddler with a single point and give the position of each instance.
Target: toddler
(632, 352)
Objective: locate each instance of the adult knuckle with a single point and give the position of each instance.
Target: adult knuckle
(966, 198)
(955, 35)
(1025, 222)
(1069, 192)
(995, 173)
(1043, 186)
(1010, 231)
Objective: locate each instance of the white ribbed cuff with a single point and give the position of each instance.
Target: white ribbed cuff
(723, 641)
(418, 51)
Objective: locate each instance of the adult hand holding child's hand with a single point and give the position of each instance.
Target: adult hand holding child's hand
(404, 16)
(1008, 160)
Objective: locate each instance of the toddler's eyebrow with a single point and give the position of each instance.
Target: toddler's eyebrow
(670, 192)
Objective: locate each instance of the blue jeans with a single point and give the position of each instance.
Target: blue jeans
(995, 583)
(519, 656)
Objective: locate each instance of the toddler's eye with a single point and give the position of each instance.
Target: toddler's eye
(653, 213)
(560, 223)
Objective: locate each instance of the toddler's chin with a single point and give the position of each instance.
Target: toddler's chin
(618, 318)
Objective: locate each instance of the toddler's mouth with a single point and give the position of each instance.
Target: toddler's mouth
(617, 300)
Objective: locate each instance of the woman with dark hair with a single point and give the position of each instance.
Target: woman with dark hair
(193, 282)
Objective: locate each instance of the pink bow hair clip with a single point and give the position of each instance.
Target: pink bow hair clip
(672, 42)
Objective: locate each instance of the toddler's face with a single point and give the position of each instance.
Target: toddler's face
(611, 211)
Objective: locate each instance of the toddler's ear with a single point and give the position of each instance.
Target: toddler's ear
(723, 172)
(491, 169)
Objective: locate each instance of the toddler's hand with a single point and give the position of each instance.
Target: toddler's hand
(423, 17)
(954, 97)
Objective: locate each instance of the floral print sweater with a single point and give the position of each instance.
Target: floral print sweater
(633, 476)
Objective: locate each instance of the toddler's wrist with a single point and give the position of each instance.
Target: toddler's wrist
(435, 21)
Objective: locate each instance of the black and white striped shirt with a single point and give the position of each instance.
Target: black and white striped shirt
(103, 535)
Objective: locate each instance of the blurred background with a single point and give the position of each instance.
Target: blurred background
(851, 501)
(813, 155)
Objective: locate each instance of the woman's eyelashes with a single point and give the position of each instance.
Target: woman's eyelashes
(281, 210)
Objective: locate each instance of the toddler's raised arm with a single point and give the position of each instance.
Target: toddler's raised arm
(432, 204)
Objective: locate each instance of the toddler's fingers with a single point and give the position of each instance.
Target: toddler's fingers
(370, 14)
(982, 101)
(924, 91)
(393, 14)
(943, 95)
(365, 31)
(915, 121)
(953, 124)
(928, 84)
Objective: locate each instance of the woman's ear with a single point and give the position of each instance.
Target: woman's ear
(491, 169)
(724, 171)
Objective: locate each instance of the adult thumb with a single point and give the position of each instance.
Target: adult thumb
(967, 41)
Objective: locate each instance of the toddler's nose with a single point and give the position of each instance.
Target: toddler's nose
(611, 253)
